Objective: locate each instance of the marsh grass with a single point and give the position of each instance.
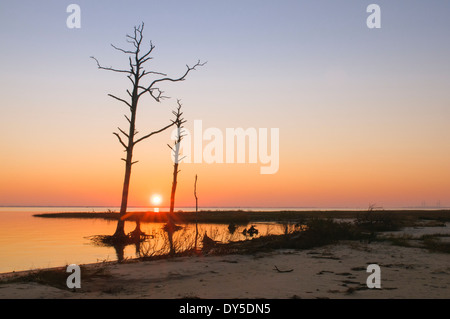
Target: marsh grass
(403, 241)
(242, 217)
(316, 232)
(376, 221)
(431, 242)
(312, 232)
(434, 243)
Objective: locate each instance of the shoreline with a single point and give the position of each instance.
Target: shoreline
(327, 260)
(335, 271)
(242, 216)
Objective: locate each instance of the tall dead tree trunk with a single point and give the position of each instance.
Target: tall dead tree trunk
(179, 121)
(195, 194)
(196, 211)
(171, 227)
(136, 74)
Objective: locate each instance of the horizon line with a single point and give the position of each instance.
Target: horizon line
(235, 207)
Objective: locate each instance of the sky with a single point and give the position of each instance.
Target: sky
(362, 114)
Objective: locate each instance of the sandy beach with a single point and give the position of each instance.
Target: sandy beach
(333, 271)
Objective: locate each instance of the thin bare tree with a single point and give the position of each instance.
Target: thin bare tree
(136, 73)
(171, 227)
(179, 122)
(195, 194)
(196, 211)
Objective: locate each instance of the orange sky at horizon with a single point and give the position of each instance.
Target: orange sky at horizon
(319, 178)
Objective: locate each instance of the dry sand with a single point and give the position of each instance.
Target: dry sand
(334, 271)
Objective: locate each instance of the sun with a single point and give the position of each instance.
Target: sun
(156, 199)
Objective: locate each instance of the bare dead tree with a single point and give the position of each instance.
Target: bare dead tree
(136, 73)
(196, 211)
(179, 122)
(195, 194)
(170, 226)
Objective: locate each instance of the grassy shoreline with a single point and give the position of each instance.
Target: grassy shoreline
(244, 217)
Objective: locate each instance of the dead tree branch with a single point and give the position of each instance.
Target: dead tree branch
(153, 133)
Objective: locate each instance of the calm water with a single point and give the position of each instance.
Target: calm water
(28, 242)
